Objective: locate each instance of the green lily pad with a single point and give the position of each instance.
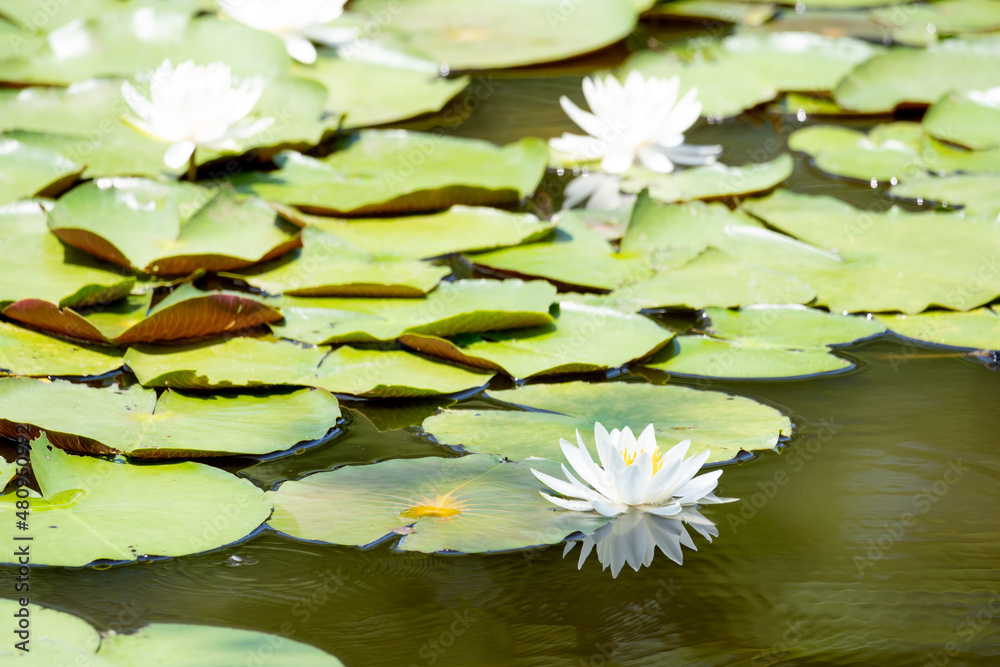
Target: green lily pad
(740, 13)
(464, 306)
(976, 329)
(655, 226)
(427, 172)
(744, 70)
(26, 171)
(765, 342)
(481, 34)
(574, 256)
(329, 266)
(169, 228)
(56, 638)
(712, 420)
(24, 352)
(249, 362)
(133, 421)
(942, 17)
(187, 312)
(892, 152)
(459, 229)
(890, 261)
(709, 181)
(582, 339)
(58, 274)
(368, 93)
(29, 12)
(92, 509)
(469, 504)
(122, 44)
(836, 4)
(920, 76)
(977, 194)
(965, 119)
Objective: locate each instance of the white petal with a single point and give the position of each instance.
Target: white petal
(178, 154)
(575, 505)
(618, 159)
(135, 99)
(607, 197)
(588, 122)
(655, 160)
(580, 188)
(300, 48)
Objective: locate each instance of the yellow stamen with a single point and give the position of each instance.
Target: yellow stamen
(629, 457)
(441, 507)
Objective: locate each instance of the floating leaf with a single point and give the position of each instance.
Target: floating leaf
(920, 76)
(470, 504)
(765, 342)
(394, 171)
(978, 194)
(24, 352)
(135, 422)
(583, 338)
(169, 228)
(329, 266)
(368, 93)
(744, 70)
(481, 34)
(942, 17)
(892, 152)
(891, 261)
(186, 313)
(977, 329)
(58, 274)
(122, 44)
(55, 637)
(248, 362)
(459, 229)
(26, 12)
(92, 509)
(722, 423)
(965, 120)
(709, 181)
(26, 171)
(741, 13)
(464, 306)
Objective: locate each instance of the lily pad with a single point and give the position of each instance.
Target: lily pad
(329, 266)
(92, 509)
(122, 44)
(24, 352)
(395, 171)
(744, 70)
(709, 181)
(26, 171)
(464, 306)
(459, 229)
(469, 504)
(60, 275)
(249, 362)
(942, 17)
(712, 420)
(481, 34)
(186, 313)
(765, 342)
(977, 194)
(27, 13)
(740, 13)
(582, 339)
(367, 93)
(169, 228)
(890, 261)
(133, 421)
(976, 330)
(920, 76)
(892, 152)
(56, 638)
(965, 119)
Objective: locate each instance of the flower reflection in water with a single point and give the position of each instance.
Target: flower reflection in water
(634, 537)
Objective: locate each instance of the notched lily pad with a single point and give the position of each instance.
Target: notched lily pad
(711, 420)
(185, 313)
(582, 339)
(395, 171)
(463, 306)
(170, 228)
(134, 422)
(25, 352)
(469, 504)
(977, 329)
(92, 509)
(765, 342)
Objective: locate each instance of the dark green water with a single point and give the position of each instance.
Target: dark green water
(871, 539)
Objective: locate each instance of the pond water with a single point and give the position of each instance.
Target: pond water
(870, 539)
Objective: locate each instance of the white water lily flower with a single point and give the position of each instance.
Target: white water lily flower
(640, 119)
(297, 22)
(632, 474)
(601, 191)
(986, 98)
(195, 106)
